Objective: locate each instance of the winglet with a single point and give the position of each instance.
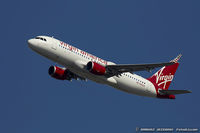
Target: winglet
(175, 60)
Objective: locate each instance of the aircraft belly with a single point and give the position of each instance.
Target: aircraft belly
(130, 86)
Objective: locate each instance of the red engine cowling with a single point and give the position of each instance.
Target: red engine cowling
(58, 73)
(96, 68)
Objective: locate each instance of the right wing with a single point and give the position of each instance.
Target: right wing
(114, 70)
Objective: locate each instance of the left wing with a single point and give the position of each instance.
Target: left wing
(74, 76)
(115, 70)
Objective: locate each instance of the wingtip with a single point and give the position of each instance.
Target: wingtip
(175, 60)
(188, 91)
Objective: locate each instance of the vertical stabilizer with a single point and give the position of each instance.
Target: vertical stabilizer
(162, 78)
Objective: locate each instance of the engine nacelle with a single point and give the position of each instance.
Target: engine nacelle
(96, 68)
(58, 73)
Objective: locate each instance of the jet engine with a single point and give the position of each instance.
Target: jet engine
(96, 68)
(59, 73)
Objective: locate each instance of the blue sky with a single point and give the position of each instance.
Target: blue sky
(126, 32)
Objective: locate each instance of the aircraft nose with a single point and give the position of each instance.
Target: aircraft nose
(32, 43)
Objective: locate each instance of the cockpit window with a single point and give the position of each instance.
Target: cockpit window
(43, 39)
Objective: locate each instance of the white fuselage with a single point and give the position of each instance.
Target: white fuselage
(75, 60)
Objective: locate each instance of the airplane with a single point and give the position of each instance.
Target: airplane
(79, 64)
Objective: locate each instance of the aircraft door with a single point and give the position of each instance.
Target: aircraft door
(53, 45)
(148, 88)
(54, 52)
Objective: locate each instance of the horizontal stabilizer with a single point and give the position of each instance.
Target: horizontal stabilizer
(174, 92)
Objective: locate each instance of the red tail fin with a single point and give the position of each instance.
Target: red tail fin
(162, 78)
